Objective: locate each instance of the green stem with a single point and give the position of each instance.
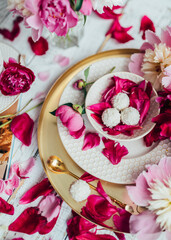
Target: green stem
(89, 83)
(5, 123)
(34, 107)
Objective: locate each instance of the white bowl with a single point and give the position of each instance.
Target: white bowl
(94, 96)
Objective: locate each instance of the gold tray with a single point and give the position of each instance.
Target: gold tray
(49, 141)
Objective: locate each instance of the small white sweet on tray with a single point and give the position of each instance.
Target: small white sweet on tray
(111, 117)
(130, 116)
(120, 101)
(80, 190)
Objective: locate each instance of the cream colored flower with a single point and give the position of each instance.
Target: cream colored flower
(154, 63)
(161, 203)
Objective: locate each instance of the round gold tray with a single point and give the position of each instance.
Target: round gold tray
(49, 141)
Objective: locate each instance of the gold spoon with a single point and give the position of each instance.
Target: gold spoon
(56, 165)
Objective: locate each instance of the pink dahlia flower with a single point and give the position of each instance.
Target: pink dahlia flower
(57, 16)
(154, 64)
(152, 191)
(15, 78)
(72, 120)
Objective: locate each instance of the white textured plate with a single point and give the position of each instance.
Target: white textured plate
(7, 52)
(95, 94)
(93, 161)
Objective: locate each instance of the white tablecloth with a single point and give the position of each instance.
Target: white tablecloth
(94, 34)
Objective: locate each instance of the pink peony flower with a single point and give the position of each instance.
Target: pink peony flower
(91, 140)
(146, 24)
(22, 127)
(72, 120)
(152, 191)
(154, 64)
(15, 78)
(57, 16)
(113, 151)
(39, 47)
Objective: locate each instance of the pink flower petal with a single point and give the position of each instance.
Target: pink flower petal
(144, 226)
(86, 7)
(102, 192)
(113, 151)
(166, 37)
(62, 60)
(48, 227)
(146, 24)
(28, 222)
(121, 221)
(94, 236)
(79, 133)
(39, 47)
(120, 236)
(43, 76)
(2, 185)
(22, 128)
(11, 184)
(136, 63)
(140, 194)
(50, 206)
(152, 38)
(98, 209)
(41, 189)
(91, 140)
(17, 239)
(88, 177)
(98, 108)
(109, 13)
(5, 207)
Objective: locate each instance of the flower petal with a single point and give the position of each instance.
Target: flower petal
(62, 60)
(94, 236)
(113, 151)
(91, 140)
(44, 76)
(50, 207)
(136, 63)
(22, 128)
(121, 221)
(145, 226)
(146, 24)
(152, 38)
(5, 207)
(102, 192)
(41, 189)
(28, 222)
(98, 108)
(88, 177)
(39, 47)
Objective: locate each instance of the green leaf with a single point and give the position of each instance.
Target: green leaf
(78, 5)
(85, 19)
(53, 112)
(86, 73)
(67, 104)
(72, 3)
(83, 112)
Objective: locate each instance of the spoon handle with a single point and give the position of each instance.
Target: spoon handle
(120, 204)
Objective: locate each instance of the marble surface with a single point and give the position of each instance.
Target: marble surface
(94, 34)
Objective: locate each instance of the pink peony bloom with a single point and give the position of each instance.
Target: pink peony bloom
(154, 64)
(113, 151)
(72, 120)
(91, 140)
(5, 207)
(152, 191)
(15, 78)
(22, 127)
(57, 16)
(41, 189)
(146, 24)
(39, 47)
(119, 33)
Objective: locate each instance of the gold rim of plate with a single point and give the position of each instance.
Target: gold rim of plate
(49, 142)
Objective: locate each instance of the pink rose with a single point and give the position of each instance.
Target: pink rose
(15, 78)
(57, 16)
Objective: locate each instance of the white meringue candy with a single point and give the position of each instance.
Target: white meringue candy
(111, 117)
(120, 101)
(130, 116)
(80, 190)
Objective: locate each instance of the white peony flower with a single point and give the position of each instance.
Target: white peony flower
(98, 5)
(161, 202)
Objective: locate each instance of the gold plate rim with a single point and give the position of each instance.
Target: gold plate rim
(67, 76)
